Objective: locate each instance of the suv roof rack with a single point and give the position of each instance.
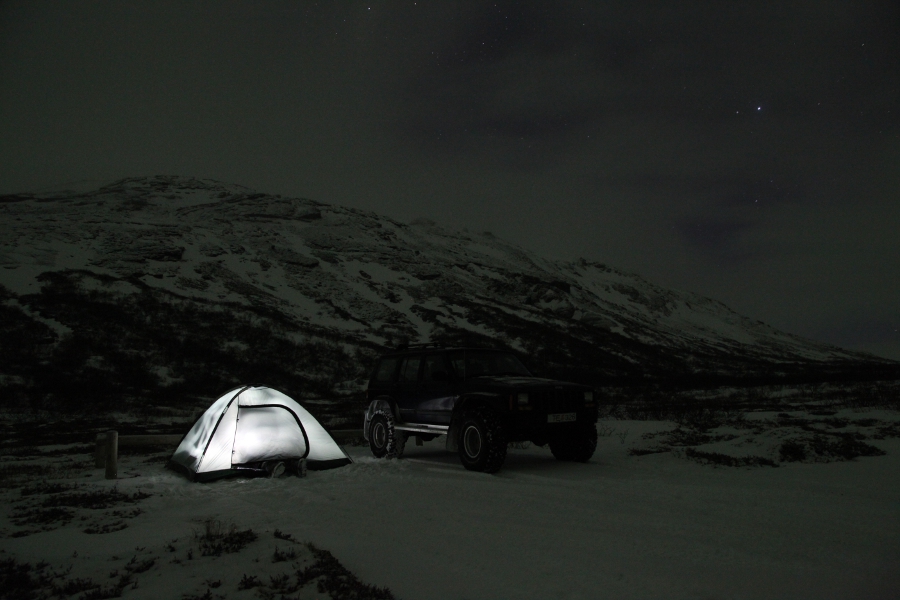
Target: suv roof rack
(406, 346)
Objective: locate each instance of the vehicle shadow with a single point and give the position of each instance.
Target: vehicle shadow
(531, 461)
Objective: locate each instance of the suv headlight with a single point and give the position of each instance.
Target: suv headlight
(522, 399)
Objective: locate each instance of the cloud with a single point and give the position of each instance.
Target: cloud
(533, 77)
(718, 239)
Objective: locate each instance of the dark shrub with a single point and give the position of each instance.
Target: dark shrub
(792, 451)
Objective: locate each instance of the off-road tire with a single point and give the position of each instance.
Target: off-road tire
(482, 441)
(578, 445)
(384, 440)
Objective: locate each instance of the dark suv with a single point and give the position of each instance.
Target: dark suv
(481, 400)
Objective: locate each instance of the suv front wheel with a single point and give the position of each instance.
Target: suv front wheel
(482, 441)
(384, 440)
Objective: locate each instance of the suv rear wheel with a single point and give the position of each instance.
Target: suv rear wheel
(384, 440)
(482, 441)
(578, 445)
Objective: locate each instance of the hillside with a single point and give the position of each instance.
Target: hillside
(165, 288)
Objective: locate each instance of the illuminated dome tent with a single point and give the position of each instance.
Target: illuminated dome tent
(251, 430)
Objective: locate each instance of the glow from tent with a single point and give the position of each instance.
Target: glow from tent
(321, 445)
(248, 426)
(265, 434)
(189, 452)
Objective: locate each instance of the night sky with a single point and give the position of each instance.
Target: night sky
(748, 151)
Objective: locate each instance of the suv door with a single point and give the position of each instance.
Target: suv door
(382, 380)
(407, 386)
(436, 395)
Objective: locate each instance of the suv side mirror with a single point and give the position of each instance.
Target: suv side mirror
(440, 376)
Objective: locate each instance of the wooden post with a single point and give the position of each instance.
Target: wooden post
(112, 454)
(100, 451)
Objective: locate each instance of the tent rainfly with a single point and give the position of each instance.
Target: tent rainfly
(252, 429)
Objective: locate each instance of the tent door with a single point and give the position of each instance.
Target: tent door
(268, 432)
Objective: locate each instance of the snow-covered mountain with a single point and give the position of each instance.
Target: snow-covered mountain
(171, 285)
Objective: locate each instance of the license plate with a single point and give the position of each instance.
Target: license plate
(561, 418)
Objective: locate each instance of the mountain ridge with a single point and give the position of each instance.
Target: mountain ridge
(304, 294)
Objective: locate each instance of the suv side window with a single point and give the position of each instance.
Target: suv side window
(434, 363)
(409, 371)
(386, 369)
(458, 360)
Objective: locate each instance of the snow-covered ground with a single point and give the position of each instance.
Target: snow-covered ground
(620, 526)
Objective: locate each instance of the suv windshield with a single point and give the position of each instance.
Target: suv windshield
(481, 363)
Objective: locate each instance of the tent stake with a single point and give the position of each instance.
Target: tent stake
(112, 454)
